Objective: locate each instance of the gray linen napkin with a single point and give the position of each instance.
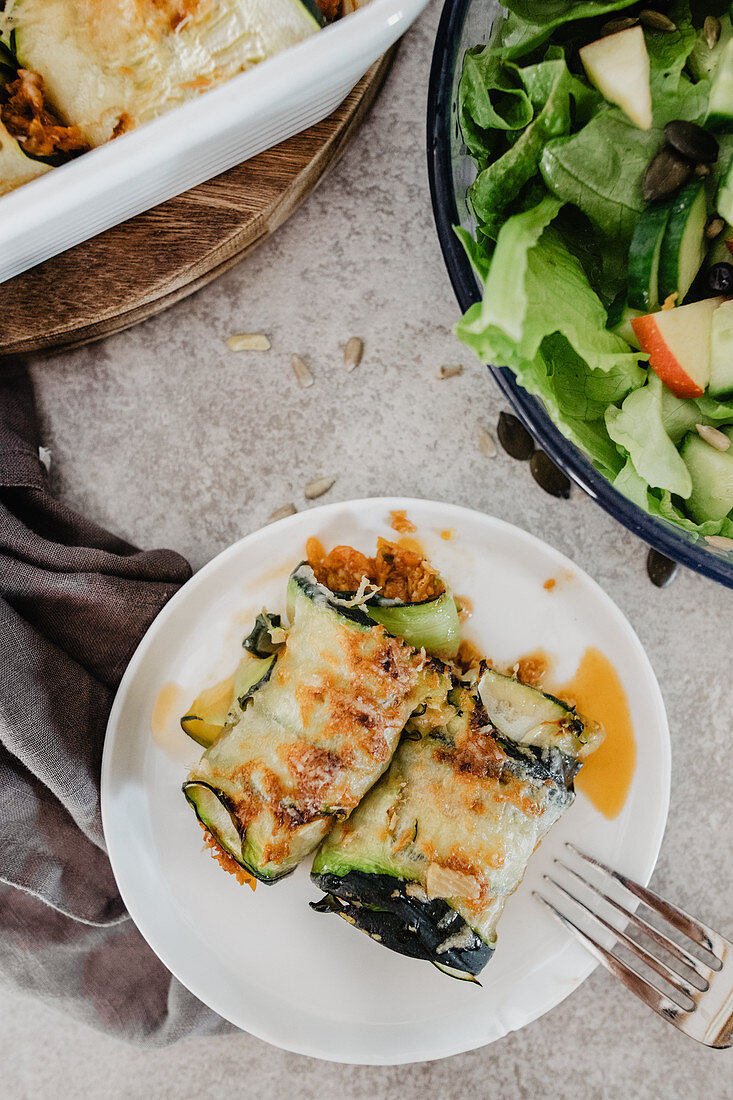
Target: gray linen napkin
(74, 603)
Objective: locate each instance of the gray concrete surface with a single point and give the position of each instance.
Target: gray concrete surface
(167, 437)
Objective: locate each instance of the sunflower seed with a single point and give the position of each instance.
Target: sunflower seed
(450, 372)
(248, 341)
(661, 570)
(691, 141)
(714, 228)
(281, 513)
(702, 169)
(711, 29)
(353, 352)
(514, 437)
(301, 372)
(719, 542)
(486, 444)
(613, 26)
(548, 476)
(712, 436)
(318, 487)
(656, 21)
(665, 173)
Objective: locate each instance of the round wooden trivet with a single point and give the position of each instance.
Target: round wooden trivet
(137, 269)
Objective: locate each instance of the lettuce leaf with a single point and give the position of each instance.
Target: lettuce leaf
(530, 24)
(638, 427)
(558, 98)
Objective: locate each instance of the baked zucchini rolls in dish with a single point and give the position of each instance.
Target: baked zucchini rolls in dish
(77, 73)
(357, 730)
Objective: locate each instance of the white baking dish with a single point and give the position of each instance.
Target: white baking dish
(232, 123)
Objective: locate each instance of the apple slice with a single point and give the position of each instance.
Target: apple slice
(618, 65)
(678, 344)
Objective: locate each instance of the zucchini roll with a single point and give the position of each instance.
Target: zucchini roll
(302, 750)
(109, 65)
(427, 861)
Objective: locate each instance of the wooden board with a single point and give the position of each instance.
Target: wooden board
(137, 269)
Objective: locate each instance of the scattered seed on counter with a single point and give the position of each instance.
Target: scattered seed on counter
(548, 476)
(486, 444)
(450, 372)
(353, 353)
(318, 487)
(514, 437)
(720, 542)
(711, 435)
(656, 21)
(248, 341)
(661, 570)
(281, 513)
(302, 372)
(711, 29)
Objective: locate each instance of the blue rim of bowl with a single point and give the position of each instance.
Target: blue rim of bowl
(530, 410)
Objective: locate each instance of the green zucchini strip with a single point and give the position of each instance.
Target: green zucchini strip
(427, 861)
(432, 625)
(319, 731)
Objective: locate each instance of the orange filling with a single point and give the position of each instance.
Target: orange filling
(399, 573)
(28, 119)
(226, 862)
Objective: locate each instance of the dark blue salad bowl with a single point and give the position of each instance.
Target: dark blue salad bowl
(466, 23)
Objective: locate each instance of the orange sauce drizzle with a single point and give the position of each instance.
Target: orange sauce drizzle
(166, 712)
(448, 534)
(549, 584)
(401, 523)
(408, 543)
(596, 690)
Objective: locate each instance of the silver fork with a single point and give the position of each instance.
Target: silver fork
(698, 1001)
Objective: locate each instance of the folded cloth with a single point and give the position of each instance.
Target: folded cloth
(74, 603)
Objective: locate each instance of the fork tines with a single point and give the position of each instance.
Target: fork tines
(698, 998)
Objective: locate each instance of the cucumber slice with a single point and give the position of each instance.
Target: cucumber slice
(721, 353)
(644, 255)
(720, 105)
(712, 478)
(683, 246)
(724, 200)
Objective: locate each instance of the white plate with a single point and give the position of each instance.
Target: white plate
(266, 962)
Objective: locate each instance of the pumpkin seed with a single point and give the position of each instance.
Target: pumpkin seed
(656, 21)
(613, 26)
(718, 440)
(301, 372)
(318, 487)
(720, 278)
(514, 437)
(486, 444)
(661, 570)
(714, 228)
(281, 513)
(450, 372)
(720, 542)
(353, 352)
(248, 341)
(665, 173)
(691, 141)
(711, 29)
(548, 476)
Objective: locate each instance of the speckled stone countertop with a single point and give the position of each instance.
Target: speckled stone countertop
(165, 436)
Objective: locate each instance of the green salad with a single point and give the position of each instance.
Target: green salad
(603, 139)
